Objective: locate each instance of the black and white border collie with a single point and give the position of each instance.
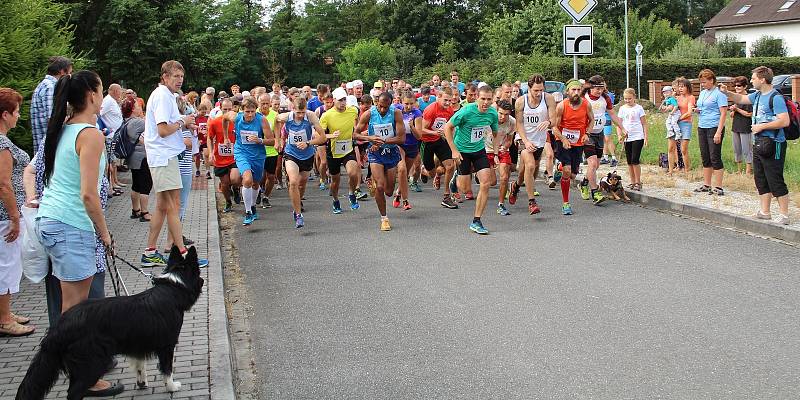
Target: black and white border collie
(144, 325)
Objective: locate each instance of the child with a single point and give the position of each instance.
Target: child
(635, 124)
(670, 106)
(202, 129)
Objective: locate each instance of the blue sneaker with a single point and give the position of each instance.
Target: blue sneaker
(202, 262)
(254, 212)
(248, 219)
(322, 186)
(566, 209)
(502, 210)
(478, 228)
(337, 207)
(557, 176)
(353, 202)
(153, 260)
(614, 162)
(298, 220)
(228, 208)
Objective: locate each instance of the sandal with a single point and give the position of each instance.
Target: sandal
(14, 329)
(20, 319)
(142, 216)
(135, 214)
(704, 188)
(637, 187)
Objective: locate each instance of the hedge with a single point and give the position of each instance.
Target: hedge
(518, 67)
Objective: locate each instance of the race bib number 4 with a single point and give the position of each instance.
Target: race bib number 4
(479, 132)
(296, 137)
(383, 131)
(225, 149)
(342, 148)
(571, 135)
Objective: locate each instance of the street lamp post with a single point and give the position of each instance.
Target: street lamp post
(627, 50)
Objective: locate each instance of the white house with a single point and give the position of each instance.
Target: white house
(748, 20)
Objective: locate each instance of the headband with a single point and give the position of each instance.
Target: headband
(573, 83)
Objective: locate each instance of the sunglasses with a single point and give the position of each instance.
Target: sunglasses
(738, 85)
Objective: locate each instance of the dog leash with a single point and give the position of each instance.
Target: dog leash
(116, 278)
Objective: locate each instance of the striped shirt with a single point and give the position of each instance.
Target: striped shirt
(41, 108)
(185, 164)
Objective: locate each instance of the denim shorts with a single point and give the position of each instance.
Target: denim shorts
(71, 250)
(686, 129)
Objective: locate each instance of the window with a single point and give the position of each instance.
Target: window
(787, 5)
(743, 9)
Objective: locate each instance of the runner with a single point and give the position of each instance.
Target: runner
(358, 91)
(433, 144)
(497, 146)
(273, 161)
(299, 131)
(364, 106)
(426, 99)
(385, 131)
(465, 134)
(317, 101)
(573, 119)
(412, 118)
(221, 156)
(471, 94)
(202, 135)
(321, 157)
(600, 103)
(535, 111)
(252, 133)
(340, 121)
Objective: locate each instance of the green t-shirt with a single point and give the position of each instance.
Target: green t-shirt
(472, 126)
(271, 152)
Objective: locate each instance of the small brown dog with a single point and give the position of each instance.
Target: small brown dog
(612, 184)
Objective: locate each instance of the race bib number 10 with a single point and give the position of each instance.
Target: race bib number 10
(383, 131)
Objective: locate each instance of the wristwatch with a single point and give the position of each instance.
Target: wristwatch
(181, 124)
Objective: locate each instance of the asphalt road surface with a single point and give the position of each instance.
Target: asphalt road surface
(614, 302)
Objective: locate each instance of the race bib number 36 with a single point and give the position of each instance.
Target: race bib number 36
(478, 133)
(342, 148)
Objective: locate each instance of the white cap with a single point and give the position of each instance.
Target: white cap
(482, 84)
(349, 85)
(666, 89)
(339, 94)
(358, 82)
(246, 93)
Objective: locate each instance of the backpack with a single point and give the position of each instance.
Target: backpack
(791, 132)
(123, 146)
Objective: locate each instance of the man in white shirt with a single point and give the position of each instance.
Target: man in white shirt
(164, 144)
(110, 112)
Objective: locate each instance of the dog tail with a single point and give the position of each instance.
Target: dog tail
(41, 376)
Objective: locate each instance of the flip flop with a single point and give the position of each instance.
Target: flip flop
(14, 329)
(20, 319)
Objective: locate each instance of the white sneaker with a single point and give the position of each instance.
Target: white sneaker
(782, 219)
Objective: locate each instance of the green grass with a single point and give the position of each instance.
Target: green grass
(657, 143)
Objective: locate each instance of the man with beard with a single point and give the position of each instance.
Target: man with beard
(573, 119)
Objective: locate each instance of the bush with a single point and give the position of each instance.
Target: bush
(730, 47)
(368, 60)
(688, 48)
(768, 46)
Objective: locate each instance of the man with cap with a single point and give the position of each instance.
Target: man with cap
(341, 121)
(358, 91)
(349, 88)
(600, 103)
(573, 119)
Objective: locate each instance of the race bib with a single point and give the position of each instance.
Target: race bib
(571, 135)
(479, 132)
(407, 124)
(342, 148)
(296, 137)
(438, 123)
(245, 134)
(225, 149)
(203, 127)
(383, 131)
(532, 119)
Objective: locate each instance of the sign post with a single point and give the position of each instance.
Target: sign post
(639, 49)
(578, 39)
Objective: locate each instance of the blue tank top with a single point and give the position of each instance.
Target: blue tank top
(61, 199)
(408, 120)
(382, 125)
(244, 129)
(298, 132)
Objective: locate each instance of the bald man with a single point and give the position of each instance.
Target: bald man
(110, 112)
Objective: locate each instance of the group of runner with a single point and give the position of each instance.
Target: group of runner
(404, 137)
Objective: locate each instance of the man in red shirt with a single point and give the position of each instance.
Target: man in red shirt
(221, 156)
(573, 120)
(434, 119)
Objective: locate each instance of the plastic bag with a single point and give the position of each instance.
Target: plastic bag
(34, 258)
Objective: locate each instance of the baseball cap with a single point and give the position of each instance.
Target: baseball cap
(482, 84)
(348, 85)
(237, 98)
(210, 90)
(666, 89)
(246, 94)
(358, 82)
(378, 84)
(339, 94)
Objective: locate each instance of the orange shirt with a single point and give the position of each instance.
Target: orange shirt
(434, 117)
(215, 132)
(683, 105)
(574, 123)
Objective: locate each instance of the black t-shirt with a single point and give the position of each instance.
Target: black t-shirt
(741, 124)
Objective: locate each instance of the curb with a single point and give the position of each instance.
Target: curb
(220, 355)
(723, 218)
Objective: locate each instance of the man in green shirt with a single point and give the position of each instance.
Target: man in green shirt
(465, 134)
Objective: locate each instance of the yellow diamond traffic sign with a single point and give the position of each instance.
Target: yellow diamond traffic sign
(578, 9)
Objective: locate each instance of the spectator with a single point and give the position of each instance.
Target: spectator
(140, 173)
(742, 139)
(712, 106)
(111, 116)
(235, 90)
(456, 84)
(674, 134)
(769, 152)
(185, 164)
(12, 164)
(191, 101)
(686, 105)
(164, 145)
(42, 101)
(211, 92)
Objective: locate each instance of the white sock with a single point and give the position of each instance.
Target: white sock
(247, 196)
(255, 195)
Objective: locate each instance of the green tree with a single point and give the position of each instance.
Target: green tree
(729, 47)
(534, 29)
(32, 31)
(368, 60)
(656, 35)
(768, 46)
(409, 58)
(448, 50)
(687, 49)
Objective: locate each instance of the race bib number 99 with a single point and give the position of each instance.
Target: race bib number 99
(571, 135)
(479, 132)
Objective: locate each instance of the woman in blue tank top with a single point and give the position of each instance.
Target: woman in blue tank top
(299, 131)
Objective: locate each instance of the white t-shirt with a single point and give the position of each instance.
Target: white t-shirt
(161, 107)
(632, 121)
(503, 130)
(111, 113)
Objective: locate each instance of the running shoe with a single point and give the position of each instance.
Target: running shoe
(153, 260)
(406, 205)
(478, 228)
(502, 210)
(469, 195)
(208, 175)
(598, 198)
(353, 201)
(457, 197)
(584, 187)
(533, 208)
(248, 219)
(437, 182)
(322, 185)
(254, 212)
(298, 220)
(396, 202)
(604, 160)
(187, 241)
(551, 183)
(614, 162)
(237, 196)
(371, 187)
(259, 198)
(447, 202)
(556, 178)
(228, 207)
(337, 207)
(385, 225)
(415, 187)
(424, 178)
(536, 193)
(202, 262)
(360, 195)
(197, 173)
(566, 209)
(513, 193)
(265, 203)
(782, 219)
(717, 191)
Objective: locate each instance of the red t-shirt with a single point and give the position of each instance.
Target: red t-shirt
(575, 122)
(435, 117)
(202, 128)
(215, 133)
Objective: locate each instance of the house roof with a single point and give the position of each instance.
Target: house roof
(759, 12)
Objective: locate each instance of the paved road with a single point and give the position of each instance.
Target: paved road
(614, 302)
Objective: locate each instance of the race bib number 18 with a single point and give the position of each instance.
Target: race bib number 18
(478, 133)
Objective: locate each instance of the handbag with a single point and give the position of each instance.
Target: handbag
(34, 257)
